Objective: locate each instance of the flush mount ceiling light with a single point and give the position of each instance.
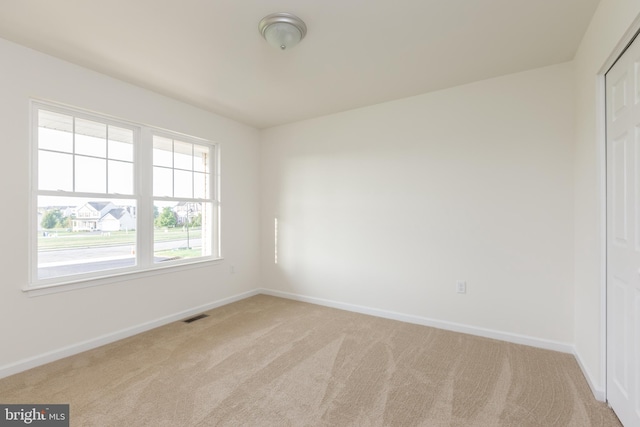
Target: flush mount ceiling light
(282, 30)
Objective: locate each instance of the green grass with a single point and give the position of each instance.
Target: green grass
(176, 234)
(67, 240)
(180, 253)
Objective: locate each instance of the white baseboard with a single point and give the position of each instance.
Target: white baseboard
(440, 324)
(599, 393)
(63, 352)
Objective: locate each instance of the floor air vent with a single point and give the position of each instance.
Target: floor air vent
(194, 318)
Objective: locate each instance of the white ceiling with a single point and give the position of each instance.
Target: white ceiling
(357, 52)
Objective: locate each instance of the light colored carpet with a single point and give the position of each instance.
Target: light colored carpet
(268, 361)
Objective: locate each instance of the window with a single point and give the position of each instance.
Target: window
(112, 197)
(182, 197)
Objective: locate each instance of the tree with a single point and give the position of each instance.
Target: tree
(51, 219)
(167, 218)
(196, 221)
(64, 222)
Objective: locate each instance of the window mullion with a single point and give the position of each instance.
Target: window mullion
(173, 168)
(73, 156)
(106, 159)
(144, 181)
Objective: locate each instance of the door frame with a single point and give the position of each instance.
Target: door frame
(601, 133)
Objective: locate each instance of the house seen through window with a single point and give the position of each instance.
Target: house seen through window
(113, 197)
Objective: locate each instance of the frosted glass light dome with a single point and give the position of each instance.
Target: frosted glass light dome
(282, 30)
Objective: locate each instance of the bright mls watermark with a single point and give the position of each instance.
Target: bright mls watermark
(34, 415)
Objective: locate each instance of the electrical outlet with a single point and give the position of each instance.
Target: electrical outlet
(232, 269)
(461, 287)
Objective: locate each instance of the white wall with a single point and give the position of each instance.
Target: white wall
(610, 22)
(388, 206)
(32, 326)
(384, 207)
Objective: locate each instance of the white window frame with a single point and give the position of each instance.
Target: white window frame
(142, 194)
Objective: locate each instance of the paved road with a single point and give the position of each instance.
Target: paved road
(74, 261)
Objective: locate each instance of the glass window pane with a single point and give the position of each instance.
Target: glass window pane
(183, 184)
(181, 230)
(201, 185)
(78, 235)
(91, 138)
(182, 155)
(207, 219)
(51, 139)
(120, 177)
(162, 182)
(200, 158)
(162, 151)
(55, 171)
(120, 143)
(55, 131)
(91, 175)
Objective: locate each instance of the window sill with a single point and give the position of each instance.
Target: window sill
(35, 291)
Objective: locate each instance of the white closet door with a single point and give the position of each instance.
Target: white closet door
(623, 236)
